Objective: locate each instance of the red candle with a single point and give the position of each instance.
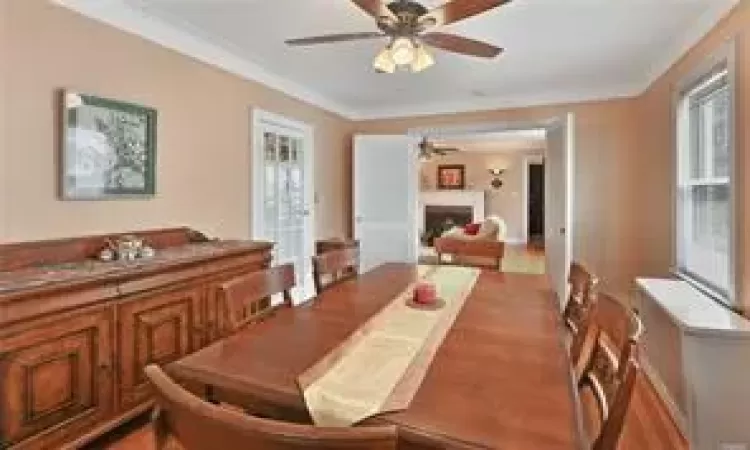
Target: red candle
(425, 293)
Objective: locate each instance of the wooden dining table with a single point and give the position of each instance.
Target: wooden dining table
(500, 379)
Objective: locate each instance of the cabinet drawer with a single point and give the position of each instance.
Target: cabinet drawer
(54, 373)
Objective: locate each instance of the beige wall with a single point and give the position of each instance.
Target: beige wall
(507, 202)
(604, 168)
(203, 156)
(3, 108)
(655, 158)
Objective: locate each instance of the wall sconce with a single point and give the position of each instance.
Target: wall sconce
(496, 182)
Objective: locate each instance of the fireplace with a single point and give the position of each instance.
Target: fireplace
(441, 218)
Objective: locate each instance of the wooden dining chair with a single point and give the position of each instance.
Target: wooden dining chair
(608, 369)
(334, 266)
(247, 298)
(196, 424)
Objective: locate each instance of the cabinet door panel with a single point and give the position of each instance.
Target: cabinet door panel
(155, 329)
(53, 373)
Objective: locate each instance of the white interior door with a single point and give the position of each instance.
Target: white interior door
(385, 199)
(559, 203)
(283, 194)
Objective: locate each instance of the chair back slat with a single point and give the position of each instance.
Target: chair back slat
(196, 424)
(611, 431)
(247, 297)
(334, 266)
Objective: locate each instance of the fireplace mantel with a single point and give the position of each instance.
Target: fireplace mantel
(474, 199)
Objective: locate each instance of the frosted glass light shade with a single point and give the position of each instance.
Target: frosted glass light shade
(403, 51)
(383, 62)
(422, 61)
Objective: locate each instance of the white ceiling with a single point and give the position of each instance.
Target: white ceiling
(556, 50)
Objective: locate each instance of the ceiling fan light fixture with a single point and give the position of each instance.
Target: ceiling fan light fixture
(383, 62)
(422, 61)
(403, 51)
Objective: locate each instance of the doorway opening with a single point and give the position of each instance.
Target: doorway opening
(535, 205)
(489, 195)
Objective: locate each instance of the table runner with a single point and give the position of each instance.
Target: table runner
(381, 365)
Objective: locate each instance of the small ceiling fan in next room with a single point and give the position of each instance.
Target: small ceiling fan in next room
(407, 25)
(428, 149)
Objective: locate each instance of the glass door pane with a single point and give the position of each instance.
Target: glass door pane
(285, 210)
(270, 203)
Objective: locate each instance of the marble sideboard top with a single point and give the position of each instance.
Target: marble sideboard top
(52, 275)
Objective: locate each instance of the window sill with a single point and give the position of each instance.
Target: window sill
(693, 311)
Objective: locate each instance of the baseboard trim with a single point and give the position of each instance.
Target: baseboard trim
(661, 390)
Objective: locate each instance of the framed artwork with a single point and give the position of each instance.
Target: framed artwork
(451, 176)
(108, 149)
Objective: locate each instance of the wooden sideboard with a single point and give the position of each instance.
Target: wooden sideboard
(76, 333)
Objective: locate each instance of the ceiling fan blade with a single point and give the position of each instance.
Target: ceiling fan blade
(444, 150)
(375, 8)
(461, 45)
(463, 9)
(331, 38)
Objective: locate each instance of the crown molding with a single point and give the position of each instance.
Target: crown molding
(132, 20)
(120, 15)
(479, 104)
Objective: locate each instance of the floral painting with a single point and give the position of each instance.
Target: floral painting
(451, 176)
(109, 149)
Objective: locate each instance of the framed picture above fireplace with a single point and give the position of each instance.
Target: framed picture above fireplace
(451, 176)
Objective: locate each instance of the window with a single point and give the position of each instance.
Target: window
(705, 184)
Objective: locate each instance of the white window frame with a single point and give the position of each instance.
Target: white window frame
(721, 60)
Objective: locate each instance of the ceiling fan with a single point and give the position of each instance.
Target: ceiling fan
(427, 149)
(407, 25)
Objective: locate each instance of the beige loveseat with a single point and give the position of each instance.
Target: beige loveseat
(486, 248)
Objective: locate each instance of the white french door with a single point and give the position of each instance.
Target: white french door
(283, 193)
(385, 199)
(559, 203)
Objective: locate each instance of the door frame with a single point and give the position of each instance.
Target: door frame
(527, 162)
(260, 117)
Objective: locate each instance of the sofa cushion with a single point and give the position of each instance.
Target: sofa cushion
(472, 229)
